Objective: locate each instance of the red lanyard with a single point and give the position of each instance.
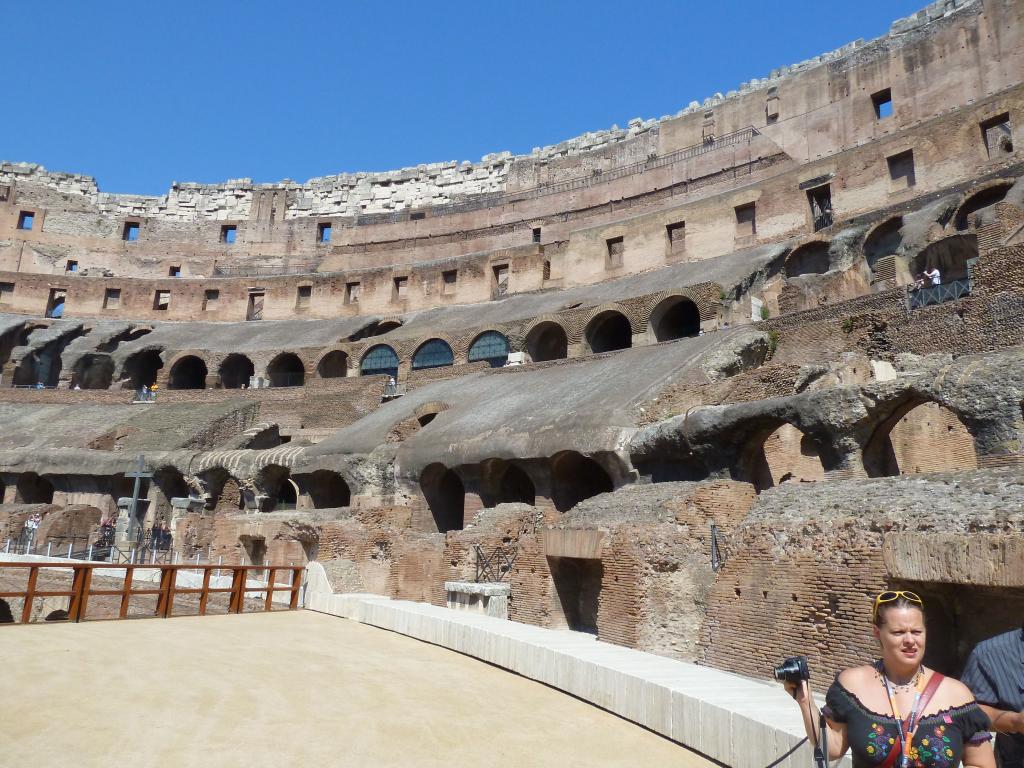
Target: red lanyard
(906, 737)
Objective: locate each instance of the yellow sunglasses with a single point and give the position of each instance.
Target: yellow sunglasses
(894, 594)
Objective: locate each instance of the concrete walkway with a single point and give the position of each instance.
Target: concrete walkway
(288, 689)
(734, 720)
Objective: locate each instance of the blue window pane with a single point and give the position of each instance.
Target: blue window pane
(325, 233)
(57, 310)
(25, 220)
(131, 232)
(228, 234)
(379, 360)
(433, 354)
(491, 347)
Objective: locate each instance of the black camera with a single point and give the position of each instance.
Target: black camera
(792, 670)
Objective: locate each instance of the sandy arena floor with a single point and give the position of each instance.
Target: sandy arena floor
(288, 689)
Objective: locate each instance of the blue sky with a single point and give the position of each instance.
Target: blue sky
(141, 94)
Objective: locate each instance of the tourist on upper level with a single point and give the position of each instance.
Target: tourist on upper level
(995, 674)
(896, 713)
(933, 275)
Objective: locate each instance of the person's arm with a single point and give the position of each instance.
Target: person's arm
(979, 755)
(1004, 721)
(837, 745)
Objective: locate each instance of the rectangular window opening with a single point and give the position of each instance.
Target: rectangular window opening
(352, 293)
(901, 170)
(303, 294)
(746, 220)
(676, 234)
(26, 219)
(255, 309)
(55, 304)
(882, 102)
(112, 298)
(130, 233)
(71, 266)
(6, 293)
(616, 247)
(401, 287)
(449, 279)
(228, 233)
(997, 134)
(417, 215)
(210, 298)
(161, 300)
(500, 272)
(536, 234)
(174, 271)
(820, 201)
(323, 232)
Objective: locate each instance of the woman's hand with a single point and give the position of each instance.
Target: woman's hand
(798, 690)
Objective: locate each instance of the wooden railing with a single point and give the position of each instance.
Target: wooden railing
(166, 590)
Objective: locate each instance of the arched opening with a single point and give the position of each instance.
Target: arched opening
(446, 497)
(608, 331)
(93, 372)
(516, 487)
(547, 341)
(169, 484)
(236, 371)
(379, 360)
(575, 477)
(286, 370)
(971, 213)
(490, 347)
(141, 368)
(333, 365)
(328, 490)
(920, 436)
(884, 240)
(226, 497)
(33, 489)
(674, 318)
(949, 255)
(187, 373)
(780, 455)
(808, 259)
(434, 353)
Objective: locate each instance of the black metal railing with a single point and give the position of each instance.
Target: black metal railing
(295, 268)
(496, 565)
(927, 296)
(823, 221)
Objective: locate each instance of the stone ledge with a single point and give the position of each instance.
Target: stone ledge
(486, 588)
(737, 721)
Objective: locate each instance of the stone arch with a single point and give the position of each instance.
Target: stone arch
(503, 482)
(141, 368)
(808, 259)
(547, 340)
(433, 353)
(93, 371)
(950, 255)
(884, 240)
(491, 347)
(780, 453)
(919, 436)
(328, 490)
(281, 491)
(379, 360)
(235, 371)
(673, 318)
(575, 477)
(34, 489)
(446, 497)
(286, 370)
(333, 365)
(187, 372)
(225, 492)
(608, 331)
(169, 484)
(979, 199)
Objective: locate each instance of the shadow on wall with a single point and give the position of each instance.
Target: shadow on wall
(446, 497)
(920, 436)
(575, 477)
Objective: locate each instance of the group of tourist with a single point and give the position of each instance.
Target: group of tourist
(931, 276)
(30, 527)
(159, 536)
(897, 713)
(147, 394)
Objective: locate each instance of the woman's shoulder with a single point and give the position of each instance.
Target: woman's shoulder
(953, 694)
(855, 678)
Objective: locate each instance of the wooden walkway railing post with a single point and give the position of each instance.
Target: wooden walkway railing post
(166, 590)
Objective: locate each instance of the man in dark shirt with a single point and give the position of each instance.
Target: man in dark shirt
(995, 674)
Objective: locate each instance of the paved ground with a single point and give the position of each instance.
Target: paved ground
(286, 689)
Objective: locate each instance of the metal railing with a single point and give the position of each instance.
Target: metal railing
(287, 379)
(495, 566)
(939, 294)
(166, 590)
(823, 221)
(294, 268)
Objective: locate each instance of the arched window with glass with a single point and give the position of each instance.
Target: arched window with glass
(379, 360)
(491, 347)
(432, 354)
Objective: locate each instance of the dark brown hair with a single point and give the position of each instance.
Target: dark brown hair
(899, 602)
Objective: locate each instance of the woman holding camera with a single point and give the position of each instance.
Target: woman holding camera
(897, 713)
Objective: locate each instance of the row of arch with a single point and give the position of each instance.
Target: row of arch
(673, 318)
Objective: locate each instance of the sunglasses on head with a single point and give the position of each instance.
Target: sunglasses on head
(894, 594)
